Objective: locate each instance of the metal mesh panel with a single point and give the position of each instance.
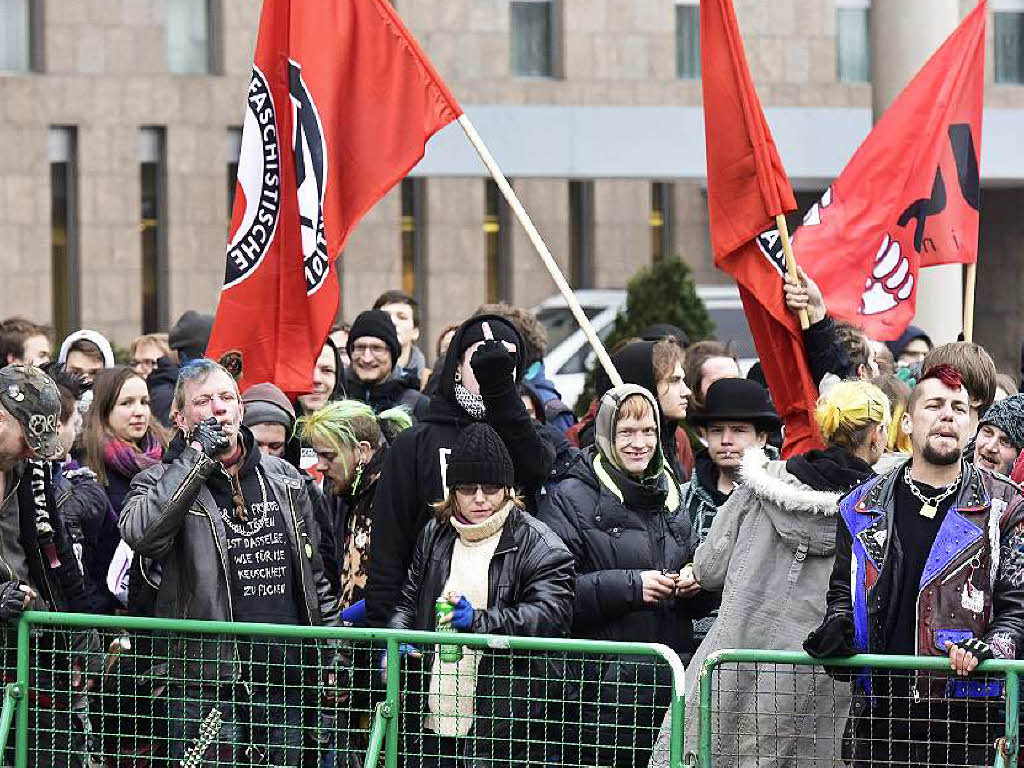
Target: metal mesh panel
(796, 714)
(154, 695)
(536, 708)
(198, 700)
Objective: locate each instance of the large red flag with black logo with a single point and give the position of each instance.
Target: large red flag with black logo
(747, 188)
(909, 197)
(340, 105)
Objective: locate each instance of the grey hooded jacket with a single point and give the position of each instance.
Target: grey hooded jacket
(770, 551)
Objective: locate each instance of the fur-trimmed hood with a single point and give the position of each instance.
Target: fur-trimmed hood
(771, 481)
(800, 514)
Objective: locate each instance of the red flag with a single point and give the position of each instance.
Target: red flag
(909, 198)
(747, 188)
(340, 105)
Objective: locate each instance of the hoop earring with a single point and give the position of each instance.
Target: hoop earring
(458, 375)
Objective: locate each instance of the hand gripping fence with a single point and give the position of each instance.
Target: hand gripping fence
(782, 708)
(87, 690)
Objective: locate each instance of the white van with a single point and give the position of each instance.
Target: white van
(569, 355)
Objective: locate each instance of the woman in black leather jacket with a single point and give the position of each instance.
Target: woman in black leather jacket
(505, 573)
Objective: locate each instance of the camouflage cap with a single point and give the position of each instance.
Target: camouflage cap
(31, 397)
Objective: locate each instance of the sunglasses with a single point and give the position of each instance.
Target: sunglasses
(470, 490)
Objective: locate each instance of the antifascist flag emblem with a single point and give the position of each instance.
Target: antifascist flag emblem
(258, 188)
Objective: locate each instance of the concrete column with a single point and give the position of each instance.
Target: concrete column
(904, 33)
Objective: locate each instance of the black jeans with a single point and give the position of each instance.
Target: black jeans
(899, 731)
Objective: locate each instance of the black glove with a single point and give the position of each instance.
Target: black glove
(981, 650)
(12, 601)
(494, 367)
(210, 436)
(834, 640)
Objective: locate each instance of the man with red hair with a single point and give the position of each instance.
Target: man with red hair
(929, 562)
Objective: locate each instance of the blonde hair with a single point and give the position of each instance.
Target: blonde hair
(899, 397)
(635, 406)
(849, 411)
(158, 340)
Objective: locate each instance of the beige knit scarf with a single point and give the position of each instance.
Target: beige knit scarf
(451, 699)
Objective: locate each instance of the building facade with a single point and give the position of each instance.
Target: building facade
(120, 129)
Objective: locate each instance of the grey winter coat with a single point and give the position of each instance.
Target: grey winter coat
(770, 551)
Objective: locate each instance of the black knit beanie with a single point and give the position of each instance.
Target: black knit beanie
(377, 324)
(480, 456)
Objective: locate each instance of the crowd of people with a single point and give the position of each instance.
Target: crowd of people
(664, 514)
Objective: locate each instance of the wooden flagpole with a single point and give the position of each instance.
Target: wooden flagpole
(787, 249)
(542, 249)
(971, 278)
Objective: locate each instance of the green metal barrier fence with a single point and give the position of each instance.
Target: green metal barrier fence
(781, 708)
(119, 691)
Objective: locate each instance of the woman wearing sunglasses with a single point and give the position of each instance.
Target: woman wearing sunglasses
(503, 573)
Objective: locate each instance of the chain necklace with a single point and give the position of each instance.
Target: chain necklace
(930, 507)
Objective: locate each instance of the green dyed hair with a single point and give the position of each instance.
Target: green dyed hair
(343, 424)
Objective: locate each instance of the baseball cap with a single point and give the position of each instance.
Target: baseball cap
(31, 397)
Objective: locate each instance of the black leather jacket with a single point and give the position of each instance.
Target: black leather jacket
(530, 581)
(980, 543)
(170, 515)
(530, 585)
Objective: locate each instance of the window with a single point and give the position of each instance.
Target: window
(153, 184)
(661, 220)
(64, 230)
(581, 234)
(853, 36)
(414, 238)
(18, 25)
(190, 27)
(532, 23)
(234, 151)
(687, 40)
(1008, 42)
(496, 243)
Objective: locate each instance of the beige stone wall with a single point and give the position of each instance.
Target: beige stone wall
(455, 266)
(692, 243)
(105, 73)
(547, 202)
(999, 303)
(372, 261)
(622, 233)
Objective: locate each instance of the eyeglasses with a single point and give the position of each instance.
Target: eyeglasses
(377, 350)
(470, 490)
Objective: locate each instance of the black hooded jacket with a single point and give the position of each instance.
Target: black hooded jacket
(614, 539)
(161, 389)
(338, 393)
(413, 474)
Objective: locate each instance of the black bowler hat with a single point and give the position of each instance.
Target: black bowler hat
(738, 400)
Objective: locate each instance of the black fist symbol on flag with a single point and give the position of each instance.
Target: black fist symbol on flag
(890, 282)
